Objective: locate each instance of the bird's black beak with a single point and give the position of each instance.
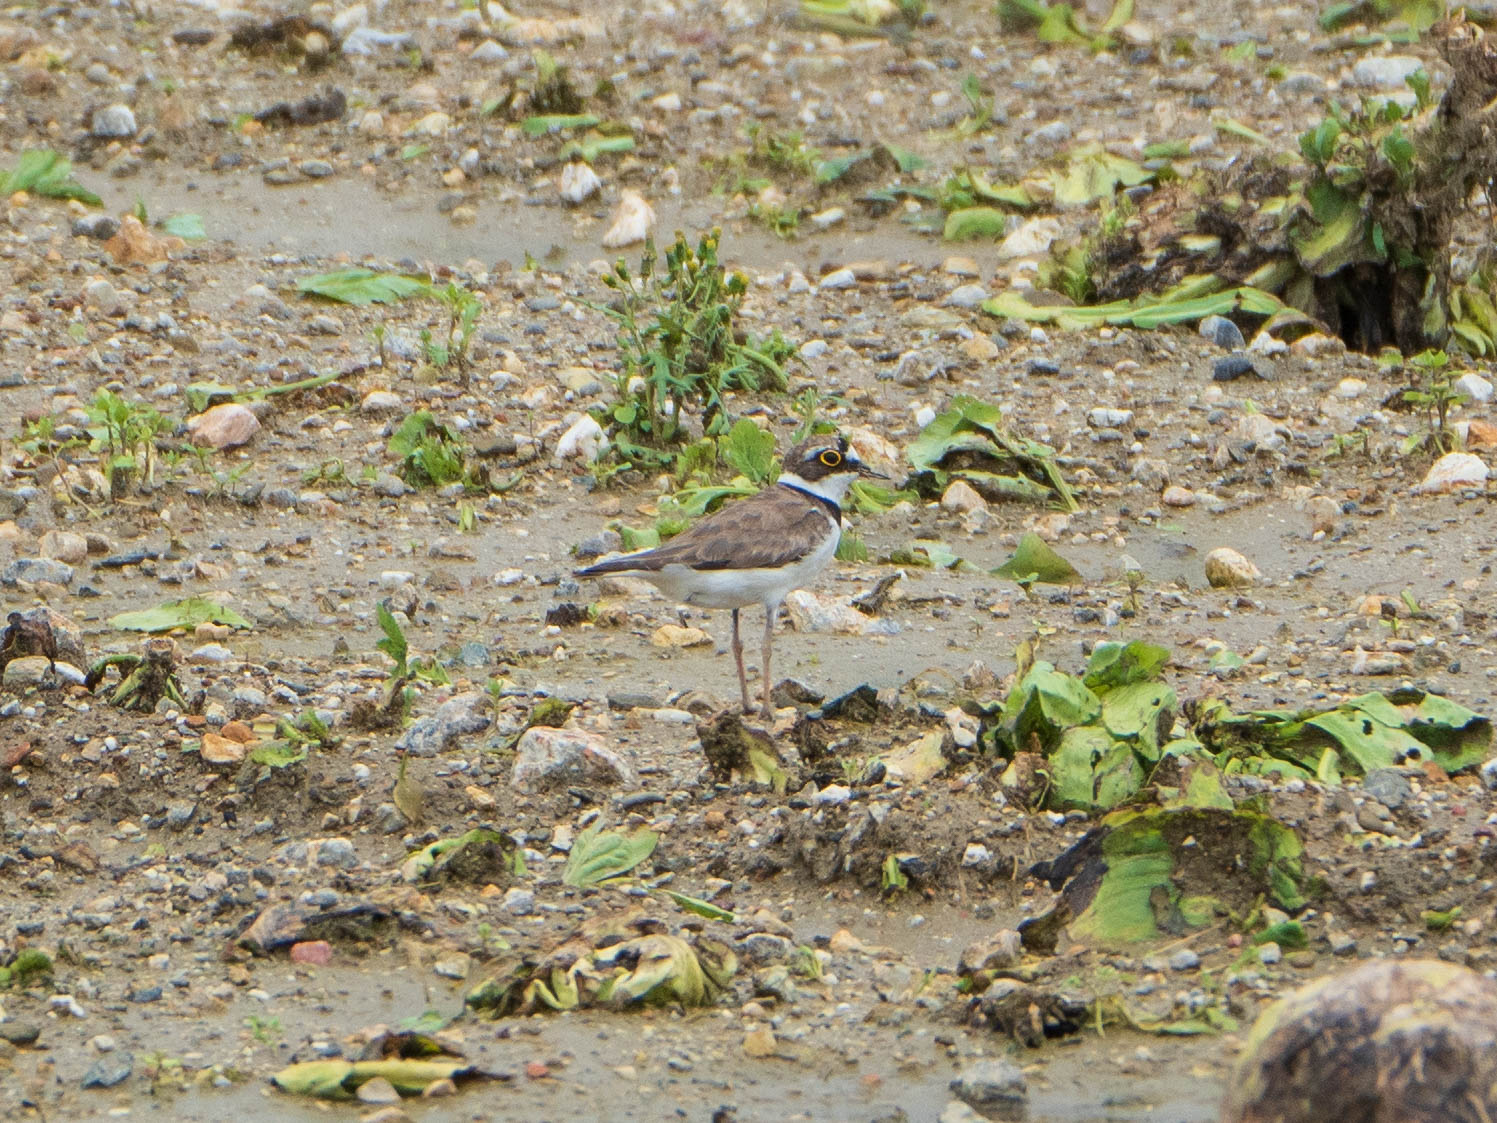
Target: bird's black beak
(864, 470)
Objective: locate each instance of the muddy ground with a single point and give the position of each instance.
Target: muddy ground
(137, 864)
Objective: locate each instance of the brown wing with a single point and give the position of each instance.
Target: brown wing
(762, 532)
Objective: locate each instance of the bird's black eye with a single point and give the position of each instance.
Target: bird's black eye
(831, 458)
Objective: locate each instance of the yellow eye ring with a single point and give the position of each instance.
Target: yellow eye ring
(831, 458)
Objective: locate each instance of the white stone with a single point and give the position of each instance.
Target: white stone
(1451, 471)
(381, 401)
(1030, 239)
(579, 182)
(584, 441)
(838, 279)
(1474, 386)
(631, 222)
(1384, 72)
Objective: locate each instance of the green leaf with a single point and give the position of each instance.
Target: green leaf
(974, 222)
(1142, 713)
(558, 122)
(1121, 664)
(186, 614)
(830, 170)
(906, 160)
(597, 857)
(44, 172)
(1033, 560)
(749, 450)
(1045, 704)
(363, 286)
(185, 225)
(701, 908)
(277, 754)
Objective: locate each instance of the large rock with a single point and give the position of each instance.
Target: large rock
(1391, 1041)
(547, 756)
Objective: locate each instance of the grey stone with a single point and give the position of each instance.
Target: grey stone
(99, 227)
(545, 756)
(966, 296)
(1231, 367)
(33, 570)
(1184, 960)
(1223, 332)
(459, 715)
(1388, 786)
(110, 1069)
(759, 949)
(605, 542)
(179, 813)
(113, 121)
(993, 1084)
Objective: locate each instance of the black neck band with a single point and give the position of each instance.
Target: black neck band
(830, 506)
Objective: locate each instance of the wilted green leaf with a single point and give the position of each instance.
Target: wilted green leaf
(973, 432)
(185, 225)
(363, 286)
(1043, 705)
(340, 1079)
(558, 122)
(702, 908)
(598, 857)
(187, 614)
(1034, 560)
(593, 146)
(482, 845)
(1193, 299)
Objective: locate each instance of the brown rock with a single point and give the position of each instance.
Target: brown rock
(316, 953)
(217, 749)
(135, 245)
(224, 426)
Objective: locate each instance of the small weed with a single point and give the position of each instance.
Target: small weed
(431, 454)
(462, 315)
(782, 219)
(680, 347)
(265, 1030)
(125, 433)
(806, 963)
(980, 107)
(1436, 399)
(394, 645)
(781, 151)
